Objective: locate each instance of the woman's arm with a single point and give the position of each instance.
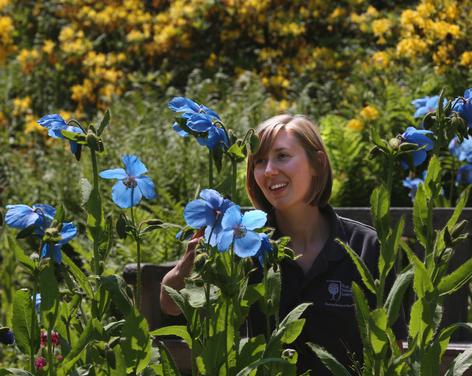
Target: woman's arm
(175, 278)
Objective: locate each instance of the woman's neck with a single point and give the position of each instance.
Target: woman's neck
(305, 225)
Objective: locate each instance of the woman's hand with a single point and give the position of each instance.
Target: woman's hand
(175, 278)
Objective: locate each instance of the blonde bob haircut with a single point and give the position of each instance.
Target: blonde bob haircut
(308, 135)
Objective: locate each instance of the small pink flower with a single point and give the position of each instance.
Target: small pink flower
(40, 362)
(43, 338)
(55, 338)
(59, 357)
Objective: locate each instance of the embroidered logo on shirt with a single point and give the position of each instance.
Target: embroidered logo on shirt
(340, 294)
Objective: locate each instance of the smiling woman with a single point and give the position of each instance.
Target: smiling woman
(290, 178)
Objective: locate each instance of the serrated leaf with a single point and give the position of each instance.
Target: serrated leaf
(292, 331)
(455, 280)
(334, 366)
(116, 287)
(104, 123)
(169, 367)
(136, 342)
(394, 300)
(48, 287)
(22, 319)
(78, 275)
(362, 268)
(460, 364)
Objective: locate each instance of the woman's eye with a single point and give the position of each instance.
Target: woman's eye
(283, 156)
(259, 161)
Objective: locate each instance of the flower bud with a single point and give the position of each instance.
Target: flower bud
(93, 141)
(40, 362)
(394, 143)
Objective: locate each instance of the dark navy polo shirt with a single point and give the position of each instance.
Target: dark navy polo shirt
(330, 321)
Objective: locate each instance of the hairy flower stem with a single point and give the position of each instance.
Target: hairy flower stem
(33, 325)
(50, 351)
(234, 168)
(96, 261)
(138, 257)
(210, 168)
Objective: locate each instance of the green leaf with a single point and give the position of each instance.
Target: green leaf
(179, 300)
(397, 292)
(292, 316)
(20, 255)
(455, 280)
(361, 267)
(136, 342)
(362, 313)
(104, 123)
(247, 370)
(95, 219)
(116, 287)
(251, 350)
(60, 214)
(48, 287)
(378, 329)
(14, 371)
(380, 206)
(445, 335)
(420, 215)
(336, 368)
(76, 352)
(236, 152)
(460, 364)
(79, 276)
(174, 330)
(422, 281)
(292, 331)
(169, 367)
(460, 205)
(22, 320)
(79, 138)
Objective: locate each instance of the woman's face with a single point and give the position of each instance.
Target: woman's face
(284, 175)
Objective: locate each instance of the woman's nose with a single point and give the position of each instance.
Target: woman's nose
(270, 169)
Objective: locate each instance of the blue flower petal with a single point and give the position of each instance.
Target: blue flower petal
(68, 232)
(57, 254)
(212, 197)
(232, 218)
(224, 240)
(198, 213)
(115, 173)
(133, 166)
(200, 123)
(464, 175)
(214, 233)
(248, 245)
(418, 157)
(20, 216)
(48, 210)
(254, 219)
(146, 186)
(179, 130)
(181, 104)
(121, 195)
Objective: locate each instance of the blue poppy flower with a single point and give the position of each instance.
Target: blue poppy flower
(464, 107)
(464, 175)
(413, 185)
(188, 106)
(67, 233)
(132, 184)
(22, 216)
(426, 105)
(200, 119)
(6, 336)
(239, 230)
(207, 211)
(462, 151)
(55, 125)
(417, 136)
(265, 248)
